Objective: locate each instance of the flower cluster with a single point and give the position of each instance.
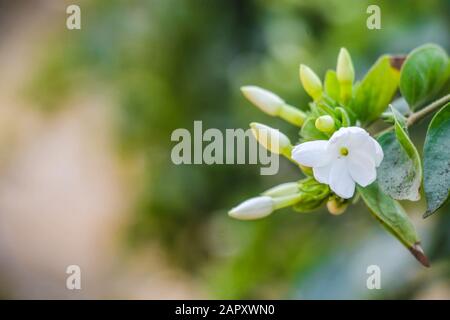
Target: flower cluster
(345, 156)
(338, 157)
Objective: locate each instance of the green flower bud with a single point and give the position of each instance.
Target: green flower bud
(345, 74)
(292, 115)
(345, 71)
(311, 82)
(272, 139)
(313, 195)
(325, 124)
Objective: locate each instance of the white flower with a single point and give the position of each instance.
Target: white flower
(350, 156)
(267, 101)
(254, 208)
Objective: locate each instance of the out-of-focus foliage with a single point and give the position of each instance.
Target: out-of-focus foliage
(170, 62)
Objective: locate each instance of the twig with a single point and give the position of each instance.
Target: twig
(419, 115)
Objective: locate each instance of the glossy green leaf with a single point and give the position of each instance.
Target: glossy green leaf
(423, 75)
(436, 153)
(392, 216)
(332, 85)
(400, 172)
(375, 92)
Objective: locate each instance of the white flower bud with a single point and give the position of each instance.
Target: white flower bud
(267, 101)
(325, 124)
(283, 189)
(344, 71)
(311, 82)
(254, 208)
(271, 139)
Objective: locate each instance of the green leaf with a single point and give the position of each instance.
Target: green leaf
(310, 132)
(436, 153)
(332, 85)
(423, 75)
(375, 91)
(400, 172)
(392, 216)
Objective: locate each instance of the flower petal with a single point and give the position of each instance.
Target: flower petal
(361, 167)
(379, 155)
(322, 174)
(356, 138)
(311, 153)
(340, 180)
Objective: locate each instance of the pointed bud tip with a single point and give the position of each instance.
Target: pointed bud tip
(311, 82)
(254, 208)
(343, 50)
(344, 70)
(419, 254)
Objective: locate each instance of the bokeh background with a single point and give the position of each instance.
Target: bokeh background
(85, 171)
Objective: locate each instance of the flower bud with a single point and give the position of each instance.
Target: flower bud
(292, 115)
(345, 74)
(335, 206)
(267, 101)
(287, 201)
(254, 208)
(344, 70)
(284, 189)
(271, 139)
(325, 124)
(311, 82)
(313, 195)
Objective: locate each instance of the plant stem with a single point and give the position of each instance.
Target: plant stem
(419, 115)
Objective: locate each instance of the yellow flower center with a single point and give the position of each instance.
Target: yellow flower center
(343, 151)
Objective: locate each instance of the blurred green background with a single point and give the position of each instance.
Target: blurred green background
(158, 65)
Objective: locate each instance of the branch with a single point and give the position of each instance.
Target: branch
(419, 115)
